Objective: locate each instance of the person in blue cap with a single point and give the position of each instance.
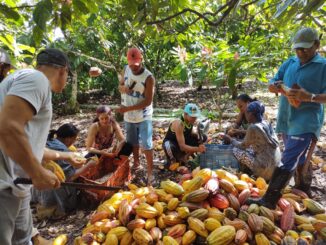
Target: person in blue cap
(181, 140)
(299, 123)
(259, 152)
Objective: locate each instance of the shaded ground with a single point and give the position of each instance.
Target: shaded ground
(173, 96)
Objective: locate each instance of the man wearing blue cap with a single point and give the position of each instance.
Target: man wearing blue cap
(181, 140)
(299, 123)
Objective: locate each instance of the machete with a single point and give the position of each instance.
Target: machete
(26, 181)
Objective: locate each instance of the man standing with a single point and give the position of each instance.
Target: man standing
(299, 122)
(25, 117)
(181, 141)
(5, 64)
(137, 89)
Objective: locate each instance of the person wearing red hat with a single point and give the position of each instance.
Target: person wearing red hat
(137, 91)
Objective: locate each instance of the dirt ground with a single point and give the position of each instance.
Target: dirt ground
(173, 96)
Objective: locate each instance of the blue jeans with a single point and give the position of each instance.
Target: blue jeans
(140, 134)
(295, 149)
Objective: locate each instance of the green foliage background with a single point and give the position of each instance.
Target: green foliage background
(194, 41)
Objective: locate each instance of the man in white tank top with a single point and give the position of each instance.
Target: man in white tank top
(137, 92)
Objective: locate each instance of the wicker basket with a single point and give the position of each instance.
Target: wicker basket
(218, 156)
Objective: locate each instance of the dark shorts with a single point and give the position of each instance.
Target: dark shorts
(173, 152)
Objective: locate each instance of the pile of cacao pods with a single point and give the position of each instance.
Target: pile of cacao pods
(205, 207)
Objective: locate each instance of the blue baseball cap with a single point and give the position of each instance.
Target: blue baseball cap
(192, 110)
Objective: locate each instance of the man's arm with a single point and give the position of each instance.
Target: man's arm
(14, 141)
(71, 157)
(149, 94)
(178, 129)
(303, 95)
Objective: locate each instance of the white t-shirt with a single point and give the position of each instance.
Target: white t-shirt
(34, 87)
(136, 96)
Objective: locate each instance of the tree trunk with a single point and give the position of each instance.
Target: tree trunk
(73, 106)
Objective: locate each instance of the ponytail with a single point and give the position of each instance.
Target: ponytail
(51, 134)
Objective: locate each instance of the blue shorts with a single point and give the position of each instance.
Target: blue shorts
(295, 148)
(140, 134)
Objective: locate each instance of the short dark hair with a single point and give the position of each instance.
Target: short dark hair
(246, 98)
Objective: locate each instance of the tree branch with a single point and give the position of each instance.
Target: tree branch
(101, 62)
(22, 6)
(230, 6)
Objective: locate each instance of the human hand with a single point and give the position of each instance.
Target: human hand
(298, 94)
(233, 131)
(227, 139)
(45, 180)
(201, 148)
(275, 87)
(124, 89)
(122, 109)
(76, 160)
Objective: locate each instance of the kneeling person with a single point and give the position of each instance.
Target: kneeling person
(181, 140)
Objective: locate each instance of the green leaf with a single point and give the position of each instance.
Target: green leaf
(37, 35)
(184, 74)
(65, 16)
(80, 6)
(9, 13)
(42, 13)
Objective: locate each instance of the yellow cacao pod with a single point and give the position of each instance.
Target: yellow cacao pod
(150, 223)
(189, 237)
(118, 231)
(197, 226)
(313, 206)
(211, 224)
(61, 240)
(172, 187)
(261, 239)
(222, 235)
(173, 204)
(126, 239)
(167, 240)
(205, 173)
(159, 207)
(183, 212)
(194, 184)
(111, 239)
(141, 236)
(146, 211)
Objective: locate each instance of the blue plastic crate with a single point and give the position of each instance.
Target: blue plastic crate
(218, 156)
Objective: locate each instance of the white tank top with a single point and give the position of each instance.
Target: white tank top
(137, 83)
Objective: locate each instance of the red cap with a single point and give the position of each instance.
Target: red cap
(134, 56)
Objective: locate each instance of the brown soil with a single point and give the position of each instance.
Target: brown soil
(173, 96)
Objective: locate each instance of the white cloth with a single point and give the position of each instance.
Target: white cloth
(136, 96)
(34, 87)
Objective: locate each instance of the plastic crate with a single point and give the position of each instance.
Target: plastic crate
(218, 156)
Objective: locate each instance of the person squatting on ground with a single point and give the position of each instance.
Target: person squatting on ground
(299, 123)
(238, 129)
(259, 152)
(64, 199)
(25, 118)
(181, 140)
(137, 90)
(102, 133)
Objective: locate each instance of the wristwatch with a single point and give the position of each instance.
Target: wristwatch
(313, 97)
